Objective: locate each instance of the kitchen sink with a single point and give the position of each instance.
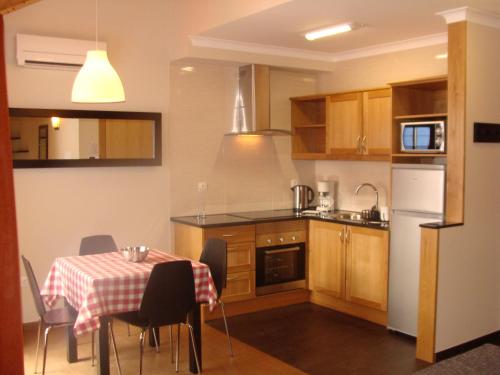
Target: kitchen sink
(348, 216)
(357, 218)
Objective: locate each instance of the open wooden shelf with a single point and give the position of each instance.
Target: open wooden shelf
(423, 116)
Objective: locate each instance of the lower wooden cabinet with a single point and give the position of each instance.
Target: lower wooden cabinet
(240, 239)
(366, 267)
(349, 263)
(240, 286)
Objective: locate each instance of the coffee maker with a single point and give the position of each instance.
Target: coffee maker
(325, 196)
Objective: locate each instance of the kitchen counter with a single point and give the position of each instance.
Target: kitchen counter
(256, 217)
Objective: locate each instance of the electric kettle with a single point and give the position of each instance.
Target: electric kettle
(303, 196)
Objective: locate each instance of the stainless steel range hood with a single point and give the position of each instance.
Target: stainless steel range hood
(252, 103)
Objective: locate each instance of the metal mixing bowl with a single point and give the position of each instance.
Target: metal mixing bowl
(135, 253)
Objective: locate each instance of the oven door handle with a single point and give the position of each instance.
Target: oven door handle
(281, 251)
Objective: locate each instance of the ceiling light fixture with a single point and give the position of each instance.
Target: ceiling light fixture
(441, 56)
(97, 81)
(329, 31)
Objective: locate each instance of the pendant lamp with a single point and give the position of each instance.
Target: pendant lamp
(97, 81)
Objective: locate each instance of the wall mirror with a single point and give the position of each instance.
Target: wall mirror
(46, 138)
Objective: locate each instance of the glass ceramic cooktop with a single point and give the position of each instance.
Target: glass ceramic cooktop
(270, 214)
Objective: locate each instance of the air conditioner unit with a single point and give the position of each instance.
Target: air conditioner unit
(35, 51)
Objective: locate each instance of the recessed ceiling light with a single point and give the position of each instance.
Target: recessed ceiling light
(441, 56)
(329, 31)
(187, 68)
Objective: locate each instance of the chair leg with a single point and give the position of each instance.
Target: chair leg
(45, 342)
(194, 347)
(128, 329)
(93, 348)
(171, 345)
(110, 325)
(38, 344)
(227, 329)
(141, 345)
(177, 352)
(156, 340)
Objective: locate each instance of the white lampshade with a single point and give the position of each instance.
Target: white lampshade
(97, 81)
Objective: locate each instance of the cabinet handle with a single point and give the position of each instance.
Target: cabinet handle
(341, 235)
(348, 235)
(358, 144)
(228, 235)
(363, 145)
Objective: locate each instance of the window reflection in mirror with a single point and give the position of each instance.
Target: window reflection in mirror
(94, 139)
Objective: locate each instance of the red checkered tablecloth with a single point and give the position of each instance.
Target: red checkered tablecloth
(104, 284)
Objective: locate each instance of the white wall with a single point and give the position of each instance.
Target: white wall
(468, 299)
(56, 207)
(243, 173)
(372, 72)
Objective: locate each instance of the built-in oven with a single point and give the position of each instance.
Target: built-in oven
(280, 267)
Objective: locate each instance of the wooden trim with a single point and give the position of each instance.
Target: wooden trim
(420, 81)
(363, 312)
(11, 339)
(493, 337)
(270, 301)
(8, 6)
(455, 171)
(426, 334)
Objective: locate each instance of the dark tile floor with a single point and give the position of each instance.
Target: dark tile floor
(322, 341)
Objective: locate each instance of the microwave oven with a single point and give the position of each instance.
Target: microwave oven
(423, 136)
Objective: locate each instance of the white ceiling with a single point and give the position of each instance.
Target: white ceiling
(385, 21)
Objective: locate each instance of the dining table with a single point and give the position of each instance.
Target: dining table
(100, 285)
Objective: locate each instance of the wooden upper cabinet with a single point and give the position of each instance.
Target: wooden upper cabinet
(377, 120)
(345, 126)
(345, 115)
(359, 125)
(326, 259)
(367, 260)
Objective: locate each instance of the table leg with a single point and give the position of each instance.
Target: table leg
(72, 351)
(195, 320)
(103, 347)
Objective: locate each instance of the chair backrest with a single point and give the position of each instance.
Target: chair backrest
(40, 307)
(169, 294)
(98, 244)
(214, 255)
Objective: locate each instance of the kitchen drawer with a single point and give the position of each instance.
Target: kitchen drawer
(273, 239)
(240, 286)
(241, 257)
(232, 234)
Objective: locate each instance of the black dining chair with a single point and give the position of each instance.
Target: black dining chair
(168, 298)
(61, 317)
(214, 255)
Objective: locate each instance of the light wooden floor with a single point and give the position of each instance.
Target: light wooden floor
(216, 360)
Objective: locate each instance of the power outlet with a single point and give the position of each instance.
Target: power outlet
(202, 187)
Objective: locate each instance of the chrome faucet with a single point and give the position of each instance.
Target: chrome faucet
(360, 186)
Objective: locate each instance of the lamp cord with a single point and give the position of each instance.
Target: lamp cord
(96, 29)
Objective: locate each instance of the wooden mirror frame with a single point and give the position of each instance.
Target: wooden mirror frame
(66, 113)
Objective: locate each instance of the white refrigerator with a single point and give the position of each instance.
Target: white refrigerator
(417, 198)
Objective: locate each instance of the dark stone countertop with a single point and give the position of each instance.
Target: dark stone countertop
(441, 224)
(255, 217)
